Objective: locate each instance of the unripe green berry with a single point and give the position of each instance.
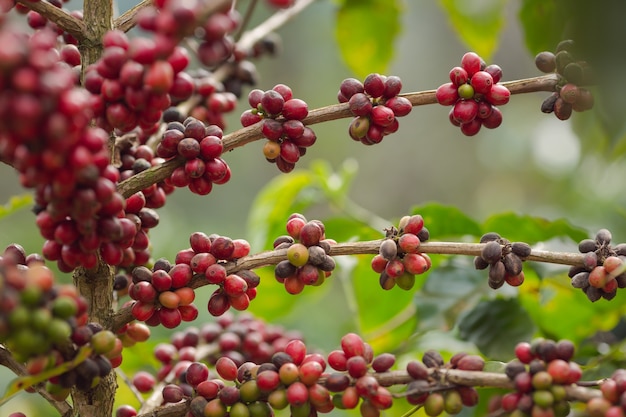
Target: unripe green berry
(466, 91)
(298, 254)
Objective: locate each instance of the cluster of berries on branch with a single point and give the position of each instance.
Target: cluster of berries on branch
(207, 257)
(603, 271)
(612, 403)
(201, 147)
(46, 137)
(135, 80)
(570, 95)
(308, 261)
(503, 258)
(44, 325)
(474, 93)
(425, 390)
(375, 105)
(281, 118)
(399, 258)
(540, 374)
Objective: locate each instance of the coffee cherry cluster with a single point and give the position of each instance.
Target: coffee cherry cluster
(215, 100)
(355, 378)
(48, 140)
(233, 341)
(399, 258)
(281, 118)
(572, 75)
(420, 390)
(207, 257)
(135, 80)
(43, 324)
(201, 147)
(474, 93)
(612, 403)
(603, 271)
(162, 295)
(540, 374)
(504, 260)
(375, 105)
(308, 261)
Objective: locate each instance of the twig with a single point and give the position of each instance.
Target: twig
(129, 19)
(278, 19)
(249, 134)
(60, 17)
(267, 258)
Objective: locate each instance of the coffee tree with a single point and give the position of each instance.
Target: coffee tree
(103, 117)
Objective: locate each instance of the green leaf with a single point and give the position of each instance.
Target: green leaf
(449, 290)
(386, 319)
(27, 381)
(478, 24)
(282, 303)
(16, 203)
(496, 326)
(446, 221)
(273, 205)
(366, 31)
(543, 24)
(558, 309)
(530, 229)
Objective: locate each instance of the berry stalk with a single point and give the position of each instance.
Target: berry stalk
(267, 258)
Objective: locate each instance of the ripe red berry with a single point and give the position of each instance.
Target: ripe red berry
(482, 82)
(295, 109)
(471, 63)
(465, 111)
(458, 76)
(447, 94)
(498, 95)
(382, 115)
(374, 85)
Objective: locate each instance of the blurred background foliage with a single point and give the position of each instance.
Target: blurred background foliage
(535, 178)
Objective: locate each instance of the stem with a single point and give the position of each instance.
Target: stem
(249, 134)
(60, 17)
(278, 19)
(268, 258)
(129, 19)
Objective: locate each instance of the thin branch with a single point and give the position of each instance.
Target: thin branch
(278, 19)
(440, 380)
(333, 112)
(268, 258)
(129, 19)
(60, 17)
(7, 360)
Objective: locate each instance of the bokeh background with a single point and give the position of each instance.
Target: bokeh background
(532, 164)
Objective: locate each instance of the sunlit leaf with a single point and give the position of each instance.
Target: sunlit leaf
(366, 31)
(446, 221)
(478, 24)
(273, 205)
(496, 326)
(530, 229)
(558, 309)
(16, 203)
(29, 380)
(386, 318)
